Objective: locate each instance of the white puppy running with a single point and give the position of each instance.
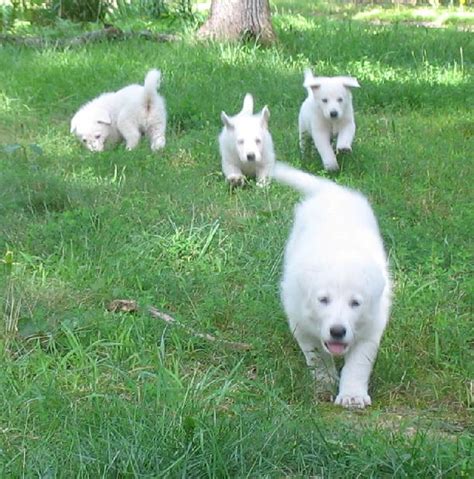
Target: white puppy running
(336, 289)
(327, 112)
(246, 145)
(125, 114)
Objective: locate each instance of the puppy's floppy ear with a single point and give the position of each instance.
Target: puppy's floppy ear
(227, 121)
(264, 116)
(350, 82)
(314, 84)
(104, 117)
(374, 281)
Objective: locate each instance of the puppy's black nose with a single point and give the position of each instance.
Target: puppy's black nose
(338, 332)
(251, 157)
(333, 113)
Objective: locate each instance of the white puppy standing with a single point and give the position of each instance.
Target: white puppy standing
(336, 289)
(327, 112)
(125, 114)
(246, 145)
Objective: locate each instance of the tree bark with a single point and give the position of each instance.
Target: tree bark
(239, 19)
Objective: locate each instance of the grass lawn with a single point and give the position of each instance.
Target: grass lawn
(85, 392)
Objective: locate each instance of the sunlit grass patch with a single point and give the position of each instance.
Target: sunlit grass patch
(435, 17)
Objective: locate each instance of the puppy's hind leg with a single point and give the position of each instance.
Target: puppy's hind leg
(157, 137)
(303, 141)
(157, 128)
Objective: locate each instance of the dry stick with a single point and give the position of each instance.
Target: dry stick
(156, 313)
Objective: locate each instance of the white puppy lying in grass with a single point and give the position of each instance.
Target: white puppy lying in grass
(246, 145)
(125, 114)
(327, 112)
(336, 288)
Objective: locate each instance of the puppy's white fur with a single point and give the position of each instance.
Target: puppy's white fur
(336, 288)
(327, 112)
(246, 145)
(125, 114)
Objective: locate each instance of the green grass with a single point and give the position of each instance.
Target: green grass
(435, 17)
(89, 393)
(461, 17)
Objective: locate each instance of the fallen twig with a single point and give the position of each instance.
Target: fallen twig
(156, 313)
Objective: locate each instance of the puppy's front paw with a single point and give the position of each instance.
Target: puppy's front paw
(236, 180)
(356, 400)
(263, 182)
(158, 143)
(131, 146)
(333, 166)
(344, 149)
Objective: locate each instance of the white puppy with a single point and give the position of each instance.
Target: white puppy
(336, 288)
(125, 114)
(246, 145)
(327, 112)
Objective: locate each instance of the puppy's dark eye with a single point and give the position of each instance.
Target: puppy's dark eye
(324, 100)
(340, 100)
(240, 142)
(97, 136)
(354, 303)
(324, 300)
(258, 141)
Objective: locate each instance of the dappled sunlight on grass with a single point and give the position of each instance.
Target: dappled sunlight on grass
(436, 17)
(295, 22)
(88, 176)
(379, 73)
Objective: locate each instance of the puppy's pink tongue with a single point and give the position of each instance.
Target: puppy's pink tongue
(336, 348)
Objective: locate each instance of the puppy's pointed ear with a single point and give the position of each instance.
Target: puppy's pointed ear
(350, 82)
(264, 117)
(227, 121)
(104, 117)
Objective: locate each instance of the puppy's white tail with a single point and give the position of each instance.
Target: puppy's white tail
(308, 76)
(299, 180)
(152, 82)
(247, 108)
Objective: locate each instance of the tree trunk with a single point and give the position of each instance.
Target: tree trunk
(237, 19)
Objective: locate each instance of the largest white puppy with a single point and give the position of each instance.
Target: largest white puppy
(125, 114)
(335, 289)
(327, 112)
